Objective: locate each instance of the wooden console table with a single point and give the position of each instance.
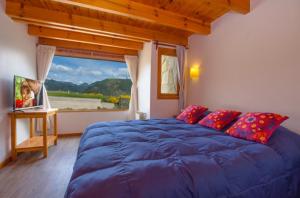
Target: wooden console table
(34, 143)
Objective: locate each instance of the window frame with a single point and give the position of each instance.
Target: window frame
(88, 54)
(169, 52)
(69, 54)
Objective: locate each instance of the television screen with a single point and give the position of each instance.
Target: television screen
(28, 93)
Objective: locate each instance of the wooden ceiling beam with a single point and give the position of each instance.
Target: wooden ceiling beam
(131, 9)
(241, 6)
(36, 14)
(74, 29)
(52, 33)
(85, 46)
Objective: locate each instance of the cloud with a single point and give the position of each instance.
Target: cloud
(87, 72)
(60, 68)
(122, 72)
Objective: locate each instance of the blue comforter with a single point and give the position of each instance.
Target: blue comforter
(168, 158)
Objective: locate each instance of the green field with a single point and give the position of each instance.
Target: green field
(110, 99)
(75, 95)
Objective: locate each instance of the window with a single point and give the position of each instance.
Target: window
(86, 84)
(167, 85)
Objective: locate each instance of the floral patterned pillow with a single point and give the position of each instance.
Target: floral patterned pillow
(191, 114)
(219, 119)
(257, 127)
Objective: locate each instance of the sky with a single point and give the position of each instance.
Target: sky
(80, 70)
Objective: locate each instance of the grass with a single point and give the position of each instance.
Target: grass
(75, 95)
(121, 101)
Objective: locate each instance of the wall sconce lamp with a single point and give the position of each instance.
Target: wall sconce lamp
(194, 72)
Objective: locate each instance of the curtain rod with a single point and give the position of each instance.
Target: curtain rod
(167, 45)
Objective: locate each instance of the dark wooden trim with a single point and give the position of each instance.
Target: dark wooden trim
(64, 135)
(85, 46)
(76, 53)
(5, 162)
(169, 52)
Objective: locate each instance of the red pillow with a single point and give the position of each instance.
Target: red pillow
(191, 114)
(219, 119)
(257, 127)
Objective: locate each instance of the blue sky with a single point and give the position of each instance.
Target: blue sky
(79, 70)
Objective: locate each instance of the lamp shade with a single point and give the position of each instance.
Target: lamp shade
(194, 72)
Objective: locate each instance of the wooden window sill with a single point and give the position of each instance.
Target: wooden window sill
(90, 110)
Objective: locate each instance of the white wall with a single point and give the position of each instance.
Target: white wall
(144, 79)
(17, 56)
(251, 62)
(76, 122)
(147, 86)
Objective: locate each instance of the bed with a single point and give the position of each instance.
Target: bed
(168, 158)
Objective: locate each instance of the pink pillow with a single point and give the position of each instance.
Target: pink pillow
(257, 127)
(219, 119)
(191, 114)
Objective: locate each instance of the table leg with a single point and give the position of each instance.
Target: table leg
(31, 124)
(55, 128)
(13, 137)
(45, 136)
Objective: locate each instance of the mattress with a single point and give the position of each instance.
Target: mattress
(168, 158)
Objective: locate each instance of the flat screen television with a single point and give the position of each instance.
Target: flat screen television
(28, 93)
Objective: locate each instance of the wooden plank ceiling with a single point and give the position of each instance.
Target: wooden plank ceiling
(119, 26)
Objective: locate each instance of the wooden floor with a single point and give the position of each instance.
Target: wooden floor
(31, 176)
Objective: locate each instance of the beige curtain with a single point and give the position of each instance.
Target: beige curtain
(44, 59)
(132, 64)
(45, 56)
(182, 76)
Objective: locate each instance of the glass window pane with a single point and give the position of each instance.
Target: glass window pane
(78, 83)
(169, 74)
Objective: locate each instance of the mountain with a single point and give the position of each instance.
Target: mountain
(82, 87)
(53, 85)
(110, 87)
(107, 87)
